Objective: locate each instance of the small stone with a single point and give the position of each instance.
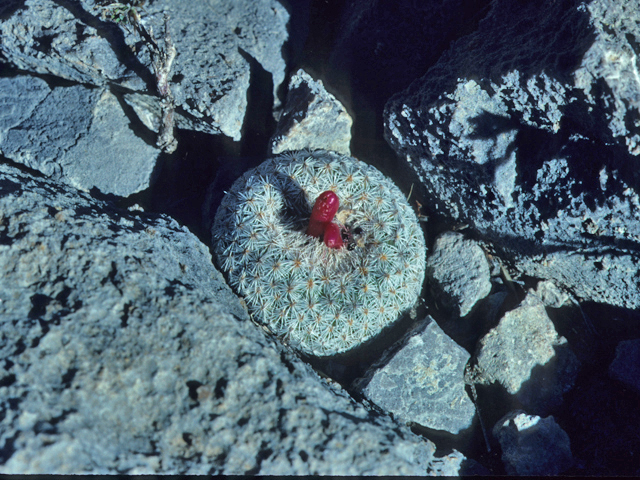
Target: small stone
(312, 119)
(526, 356)
(424, 382)
(532, 445)
(459, 272)
(550, 295)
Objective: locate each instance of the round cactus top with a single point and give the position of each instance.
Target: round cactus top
(320, 299)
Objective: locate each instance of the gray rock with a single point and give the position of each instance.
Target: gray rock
(312, 119)
(76, 134)
(423, 382)
(532, 445)
(598, 274)
(459, 273)
(522, 131)
(124, 351)
(216, 47)
(42, 124)
(550, 295)
(527, 357)
(45, 37)
(110, 156)
(626, 364)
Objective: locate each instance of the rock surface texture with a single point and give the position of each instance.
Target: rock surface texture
(459, 272)
(93, 141)
(123, 350)
(527, 357)
(312, 119)
(86, 142)
(423, 382)
(526, 131)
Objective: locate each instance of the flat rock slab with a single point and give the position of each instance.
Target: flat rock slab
(76, 134)
(423, 382)
(522, 132)
(124, 351)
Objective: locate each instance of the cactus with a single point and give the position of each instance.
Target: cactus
(322, 300)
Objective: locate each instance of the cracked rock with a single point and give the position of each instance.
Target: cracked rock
(522, 131)
(124, 351)
(216, 44)
(76, 134)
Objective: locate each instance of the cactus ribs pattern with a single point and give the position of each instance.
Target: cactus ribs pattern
(317, 297)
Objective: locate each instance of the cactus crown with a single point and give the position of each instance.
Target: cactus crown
(321, 300)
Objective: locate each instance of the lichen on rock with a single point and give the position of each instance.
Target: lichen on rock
(321, 300)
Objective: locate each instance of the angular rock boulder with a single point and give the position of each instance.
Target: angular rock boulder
(524, 131)
(123, 350)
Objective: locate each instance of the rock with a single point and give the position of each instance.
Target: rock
(423, 382)
(312, 119)
(519, 132)
(550, 295)
(110, 156)
(527, 357)
(459, 272)
(218, 49)
(45, 37)
(76, 134)
(532, 445)
(123, 351)
(210, 76)
(626, 365)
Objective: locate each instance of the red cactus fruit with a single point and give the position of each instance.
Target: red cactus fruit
(323, 212)
(332, 235)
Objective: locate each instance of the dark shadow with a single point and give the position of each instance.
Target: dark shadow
(293, 48)
(601, 417)
(181, 180)
(259, 124)
(9, 7)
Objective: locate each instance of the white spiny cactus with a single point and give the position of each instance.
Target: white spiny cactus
(323, 301)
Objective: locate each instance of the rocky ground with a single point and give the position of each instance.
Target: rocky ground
(513, 129)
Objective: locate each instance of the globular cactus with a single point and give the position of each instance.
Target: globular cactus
(322, 300)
